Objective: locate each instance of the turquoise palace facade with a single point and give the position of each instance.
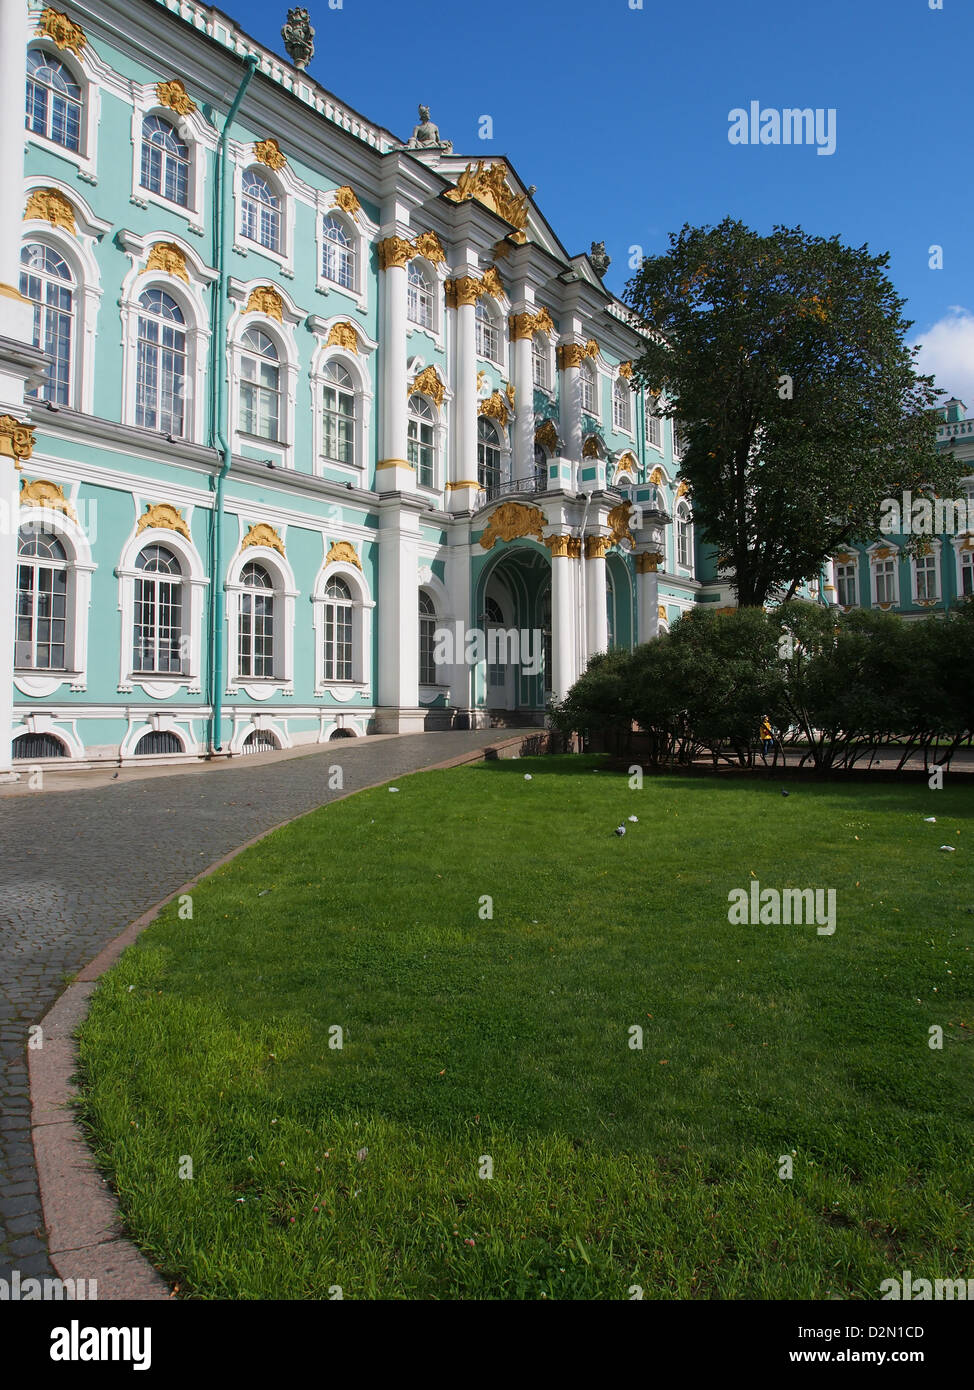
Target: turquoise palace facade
(298, 395)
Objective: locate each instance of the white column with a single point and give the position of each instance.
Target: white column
(597, 621)
(17, 323)
(563, 606)
(523, 462)
(647, 597)
(398, 618)
(464, 289)
(570, 400)
(393, 473)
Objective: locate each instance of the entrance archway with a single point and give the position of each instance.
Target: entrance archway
(513, 601)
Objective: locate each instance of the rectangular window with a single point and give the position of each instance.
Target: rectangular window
(846, 575)
(539, 365)
(885, 581)
(653, 432)
(926, 570)
(967, 573)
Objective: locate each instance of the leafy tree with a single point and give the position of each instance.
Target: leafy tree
(785, 359)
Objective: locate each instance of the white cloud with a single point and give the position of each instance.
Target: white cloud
(947, 352)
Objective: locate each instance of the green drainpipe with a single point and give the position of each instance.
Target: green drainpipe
(218, 412)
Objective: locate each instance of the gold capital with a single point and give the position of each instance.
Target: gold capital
(595, 547)
(394, 251)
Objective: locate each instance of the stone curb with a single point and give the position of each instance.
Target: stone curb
(81, 1216)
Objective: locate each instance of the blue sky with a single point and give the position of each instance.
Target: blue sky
(620, 117)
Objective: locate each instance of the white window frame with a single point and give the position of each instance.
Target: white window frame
(282, 450)
(684, 517)
(84, 70)
(421, 267)
(358, 364)
(286, 186)
(963, 547)
(932, 554)
(200, 137)
(651, 416)
(622, 394)
(362, 617)
(853, 566)
(542, 351)
(80, 568)
(284, 593)
(874, 563)
(494, 323)
(363, 231)
(433, 421)
(589, 372)
(190, 298)
(162, 685)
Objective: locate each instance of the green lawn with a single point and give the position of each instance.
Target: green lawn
(509, 1038)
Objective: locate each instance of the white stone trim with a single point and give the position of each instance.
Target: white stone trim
(161, 685)
(362, 608)
(80, 568)
(89, 72)
(285, 592)
(358, 366)
(197, 134)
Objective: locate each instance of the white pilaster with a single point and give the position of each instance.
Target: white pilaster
(647, 598)
(398, 710)
(393, 473)
(563, 608)
(595, 595)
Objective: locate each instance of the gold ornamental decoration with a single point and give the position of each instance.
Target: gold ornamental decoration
(266, 300)
(488, 185)
(509, 393)
(656, 477)
(547, 436)
(510, 521)
(574, 354)
(428, 245)
(343, 335)
(681, 489)
(395, 251)
(168, 258)
(590, 449)
(62, 30)
(462, 291)
(49, 205)
(164, 517)
(270, 153)
(648, 562)
(625, 369)
(346, 200)
(492, 282)
(618, 519)
(494, 408)
(262, 534)
(627, 464)
(661, 613)
(343, 552)
(16, 438)
(428, 383)
(41, 493)
(526, 325)
(560, 546)
(595, 547)
(174, 95)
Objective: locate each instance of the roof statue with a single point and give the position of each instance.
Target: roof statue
(600, 261)
(299, 37)
(426, 136)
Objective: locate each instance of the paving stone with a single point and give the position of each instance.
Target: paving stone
(121, 848)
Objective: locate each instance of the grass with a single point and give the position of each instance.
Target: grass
(466, 1037)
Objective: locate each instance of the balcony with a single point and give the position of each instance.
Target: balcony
(516, 486)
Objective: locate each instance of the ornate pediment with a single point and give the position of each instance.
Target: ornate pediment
(547, 436)
(164, 516)
(262, 533)
(494, 407)
(510, 521)
(343, 552)
(50, 206)
(487, 183)
(428, 383)
(169, 258)
(265, 300)
(41, 493)
(343, 335)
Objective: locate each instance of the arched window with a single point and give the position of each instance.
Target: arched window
(419, 301)
(338, 419)
(260, 212)
(338, 631)
(586, 385)
(34, 746)
(158, 611)
(260, 741)
(160, 377)
(653, 432)
(421, 448)
(427, 640)
(539, 361)
(53, 100)
(48, 283)
(260, 385)
(42, 601)
(165, 161)
(338, 253)
(488, 456)
(255, 627)
(488, 338)
(621, 404)
(684, 548)
(157, 742)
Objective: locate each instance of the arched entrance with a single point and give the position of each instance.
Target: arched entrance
(512, 607)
